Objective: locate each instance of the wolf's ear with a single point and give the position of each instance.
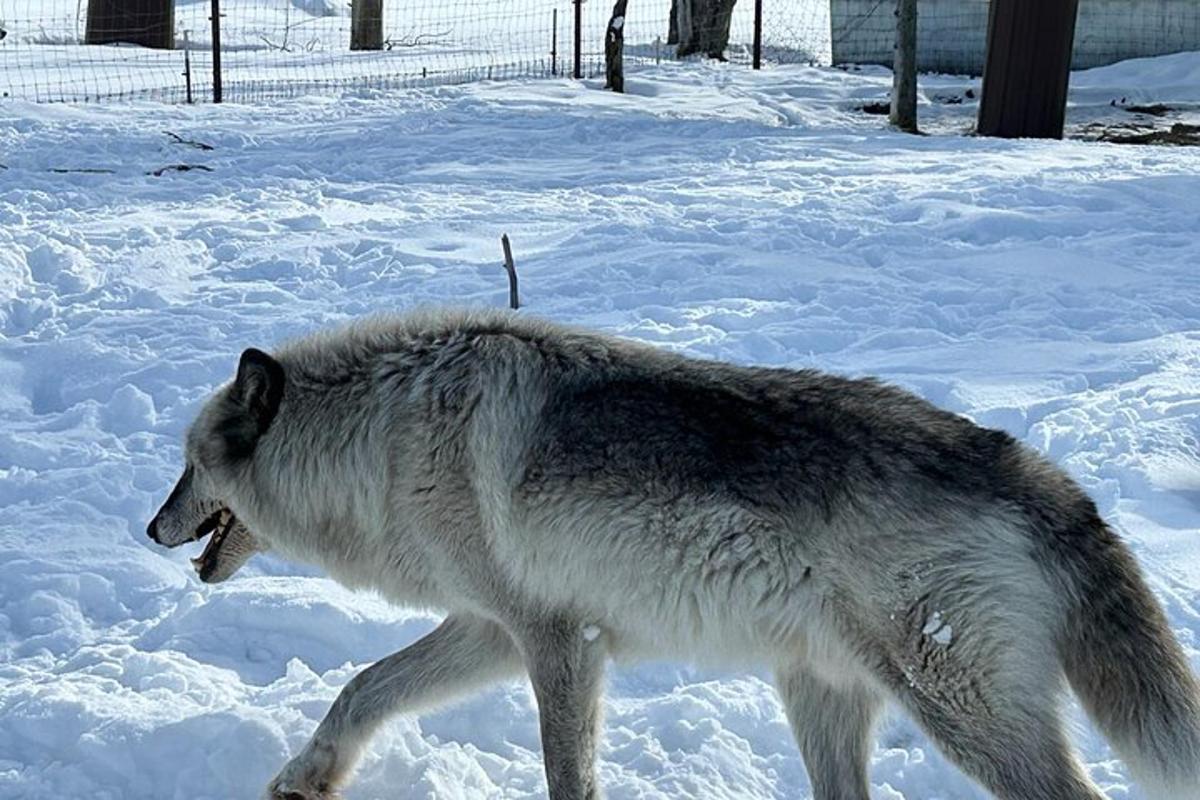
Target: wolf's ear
(256, 393)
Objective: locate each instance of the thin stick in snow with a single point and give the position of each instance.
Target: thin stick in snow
(513, 301)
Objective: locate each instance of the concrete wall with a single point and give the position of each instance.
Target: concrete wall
(952, 34)
(1113, 30)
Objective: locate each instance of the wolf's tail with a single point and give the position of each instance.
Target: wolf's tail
(1131, 675)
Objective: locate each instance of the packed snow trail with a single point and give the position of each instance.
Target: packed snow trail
(1051, 289)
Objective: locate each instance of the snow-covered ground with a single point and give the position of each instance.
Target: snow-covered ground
(1048, 288)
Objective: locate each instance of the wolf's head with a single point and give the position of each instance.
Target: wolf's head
(220, 444)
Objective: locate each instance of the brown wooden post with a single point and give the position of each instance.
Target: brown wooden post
(1028, 68)
(366, 25)
(150, 23)
(614, 47)
(904, 68)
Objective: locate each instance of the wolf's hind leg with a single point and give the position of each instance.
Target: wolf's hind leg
(1018, 751)
(989, 697)
(832, 725)
(461, 654)
(566, 668)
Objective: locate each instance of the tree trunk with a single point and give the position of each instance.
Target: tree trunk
(614, 45)
(150, 23)
(673, 24)
(366, 25)
(703, 27)
(904, 68)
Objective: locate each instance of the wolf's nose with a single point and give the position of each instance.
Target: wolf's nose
(152, 530)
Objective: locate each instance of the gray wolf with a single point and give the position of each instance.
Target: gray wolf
(566, 497)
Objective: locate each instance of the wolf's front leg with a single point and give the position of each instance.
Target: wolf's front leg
(461, 654)
(566, 666)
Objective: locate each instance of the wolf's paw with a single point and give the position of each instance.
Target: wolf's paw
(285, 794)
(282, 789)
(308, 776)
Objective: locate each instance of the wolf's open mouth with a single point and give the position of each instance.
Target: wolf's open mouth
(219, 524)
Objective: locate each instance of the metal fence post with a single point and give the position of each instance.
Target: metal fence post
(758, 33)
(554, 45)
(216, 50)
(578, 38)
(187, 64)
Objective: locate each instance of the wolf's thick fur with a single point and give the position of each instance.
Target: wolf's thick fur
(565, 497)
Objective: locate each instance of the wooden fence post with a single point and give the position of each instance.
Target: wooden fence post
(904, 68)
(150, 23)
(366, 25)
(1028, 68)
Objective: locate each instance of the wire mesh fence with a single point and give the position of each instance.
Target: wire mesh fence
(44, 54)
(951, 34)
(269, 48)
(72, 50)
